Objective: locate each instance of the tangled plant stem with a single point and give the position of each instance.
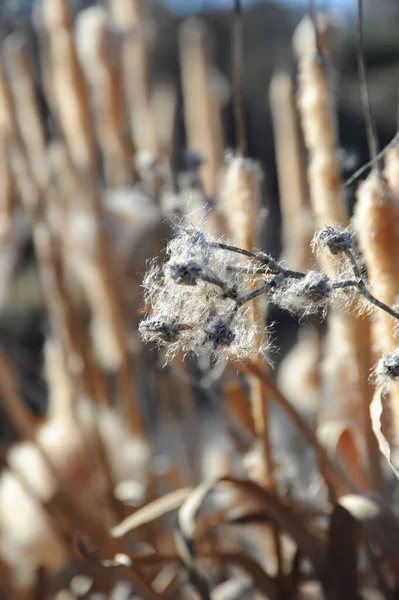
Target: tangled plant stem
(199, 296)
(272, 266)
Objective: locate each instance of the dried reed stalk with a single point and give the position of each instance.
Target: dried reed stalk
(317, 111)
(35, 192)
(7, 240)
(240, 204)
(101, 287)
(68, 88)
(6, 186)
(127, 16)
(297, 222)
(345, 366)
(164, 106)
(201, 110)
(6, 133)
(377, 223)
(26, 110)
(89, 257)
(99, 60)
(303, 390)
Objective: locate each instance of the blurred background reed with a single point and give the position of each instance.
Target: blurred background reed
(126, 476)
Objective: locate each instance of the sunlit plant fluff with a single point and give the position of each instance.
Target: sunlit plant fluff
(200, 297)
(308, 295)
(195, 299)
(333, 239)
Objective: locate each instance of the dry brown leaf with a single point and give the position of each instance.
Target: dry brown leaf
(187, 516)
(238, 403)
(341, 443)
(286, 517)
(382, 420)
(122, 566)
(154, 510)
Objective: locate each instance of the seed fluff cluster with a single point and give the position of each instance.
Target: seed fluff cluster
(388, 368)
(195, 299)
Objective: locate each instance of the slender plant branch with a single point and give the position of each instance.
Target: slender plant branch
(372, 161)
(361, 285)
(364, 91)
(272, 266)
(332, 473)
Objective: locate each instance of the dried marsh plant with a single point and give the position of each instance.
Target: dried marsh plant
(182, 467)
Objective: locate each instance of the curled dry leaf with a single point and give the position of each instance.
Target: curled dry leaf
(187, 516)
(311, 544)
(383, 426)
(152, 511)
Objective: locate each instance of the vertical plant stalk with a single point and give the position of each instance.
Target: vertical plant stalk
(128, 18)
(95, 46)
(33, 181)
(333, 475)
(318, 119)
(6, 134)
(201, 113)
(240, 203)
(68, 88)
(105, 298)
(377, 223)
(7, 243)
(93, 268)
(297, 222)
(164, 104)
(27, 110)
(343, 370)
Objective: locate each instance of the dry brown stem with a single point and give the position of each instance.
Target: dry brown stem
(377, 224)
(127, 16)
(68, 88)
(344, 365)
(29, 119)
(202, 114)
(297, 222)
(98, 57)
